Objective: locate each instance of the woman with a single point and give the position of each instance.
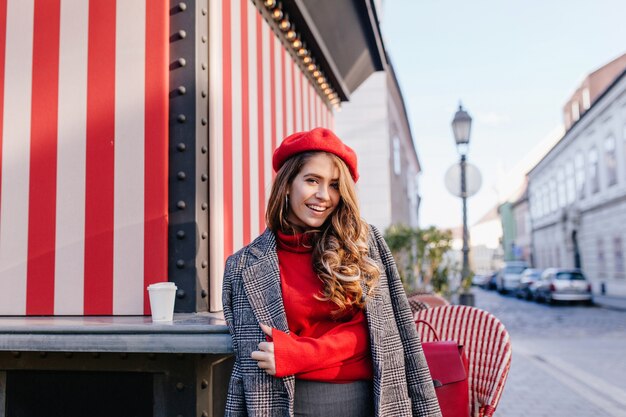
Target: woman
(318, 317)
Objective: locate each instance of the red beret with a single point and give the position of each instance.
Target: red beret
(318, 139)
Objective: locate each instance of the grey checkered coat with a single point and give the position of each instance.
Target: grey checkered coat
(252, 295)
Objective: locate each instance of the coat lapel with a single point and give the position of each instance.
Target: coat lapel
(261, 281)
(376, 320)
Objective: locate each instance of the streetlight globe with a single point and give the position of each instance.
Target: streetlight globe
(461, 126)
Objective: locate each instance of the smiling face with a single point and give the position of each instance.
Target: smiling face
(314, 192)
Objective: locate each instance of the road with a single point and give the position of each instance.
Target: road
(568, 360)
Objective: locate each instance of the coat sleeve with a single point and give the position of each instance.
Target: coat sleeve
(420, 384)
(235, 400)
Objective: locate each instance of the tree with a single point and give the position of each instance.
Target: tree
(420, 254)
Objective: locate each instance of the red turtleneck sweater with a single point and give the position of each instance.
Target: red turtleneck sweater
(317, 348)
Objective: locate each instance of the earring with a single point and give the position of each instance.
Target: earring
(286, 201)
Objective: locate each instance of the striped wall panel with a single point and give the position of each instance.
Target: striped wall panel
(258, 95)
(83, 130)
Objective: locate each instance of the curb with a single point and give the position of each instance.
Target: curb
(609, 306)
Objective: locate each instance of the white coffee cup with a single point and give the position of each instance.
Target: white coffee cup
(162, 297)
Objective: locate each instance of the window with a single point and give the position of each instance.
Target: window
(575, 111)
(618, 255)
(624, 144)
(397, 163)
(600, 259)
(570, 184)
(553, 198)
(594, 181)
(579, 176)
(546, 200)
(610, 161)
(560, 183)
(533, 204)
(586, 99)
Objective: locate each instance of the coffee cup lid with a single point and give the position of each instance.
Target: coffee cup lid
(162, 285)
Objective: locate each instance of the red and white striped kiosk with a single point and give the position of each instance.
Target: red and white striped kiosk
(135, 147)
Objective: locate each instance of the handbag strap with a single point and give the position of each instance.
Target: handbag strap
(430, 327)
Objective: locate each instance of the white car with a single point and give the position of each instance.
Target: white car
(559, 284)
(508, 278)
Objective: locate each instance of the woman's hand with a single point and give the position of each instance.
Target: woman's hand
(265, 355)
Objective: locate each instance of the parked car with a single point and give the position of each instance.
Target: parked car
(491, 283)
(480, 280)
(529, 276)
(560, 284)
(509, 277)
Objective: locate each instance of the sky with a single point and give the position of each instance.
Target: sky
(513, 64)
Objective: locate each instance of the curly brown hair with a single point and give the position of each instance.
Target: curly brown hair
(340, 250)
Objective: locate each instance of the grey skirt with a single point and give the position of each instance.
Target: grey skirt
(323, 399)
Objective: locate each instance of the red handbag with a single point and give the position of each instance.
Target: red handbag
(448, 368)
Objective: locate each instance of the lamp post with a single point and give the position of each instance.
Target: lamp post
(461, 126)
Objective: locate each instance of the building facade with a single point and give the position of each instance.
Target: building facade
(516, 231)
(136, 141)
(375, 124)
(577, 195)
(590, 89)
(485, 243)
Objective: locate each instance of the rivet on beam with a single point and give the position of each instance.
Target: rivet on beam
(180, 294)
(181, 147)
(203, 149)
(182, 34)
(181, 205)
(182, 62)
(204, 177)
(180, 386)
(203, 294)
(182, 6)
(180, 234)
(204, 264)
(204, 206)
(180, 264)
(181, 118)
(203, 121)
(182, 90)
(204, 235)
(181, 175)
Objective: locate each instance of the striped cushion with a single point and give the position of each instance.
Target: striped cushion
(486, 343)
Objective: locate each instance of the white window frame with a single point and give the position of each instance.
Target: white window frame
(570, 183)
(610, 160)
(560, 183)
(594, 170)
(580, 174)
(575, 111)
(586, 99)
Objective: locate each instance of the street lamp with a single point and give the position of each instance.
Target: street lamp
(461, 126)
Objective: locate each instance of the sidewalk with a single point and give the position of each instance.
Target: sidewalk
(610, 302)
